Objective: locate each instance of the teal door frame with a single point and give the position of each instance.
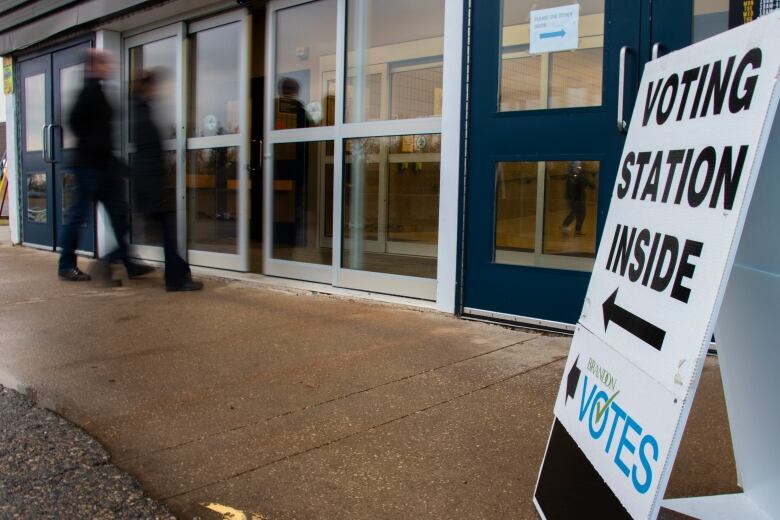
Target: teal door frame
(547, 296)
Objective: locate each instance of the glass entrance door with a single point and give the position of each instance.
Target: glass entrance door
(160, 51)
(49, 86)
(551, 79)
(202, 111)
(354, 131)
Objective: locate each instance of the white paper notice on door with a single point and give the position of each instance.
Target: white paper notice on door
(555, 29)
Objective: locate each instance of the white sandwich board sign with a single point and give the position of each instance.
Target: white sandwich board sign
(695, 146)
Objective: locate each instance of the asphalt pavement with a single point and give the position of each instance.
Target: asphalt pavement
(50, 468)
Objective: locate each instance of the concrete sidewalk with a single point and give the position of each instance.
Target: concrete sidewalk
(285, 405)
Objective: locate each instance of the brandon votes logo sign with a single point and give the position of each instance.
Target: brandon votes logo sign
(614, 419)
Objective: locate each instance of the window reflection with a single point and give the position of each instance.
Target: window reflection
(391, 204)
(214, 104)
(212, 202)
(34, 111)
(562, 223)
(570, 207)
(403, 37)
(302, 207)
(516, 188)
(143, 229)
(160, 56)
(37, 203)
(562, 79)
(305, 48)
(71, 81)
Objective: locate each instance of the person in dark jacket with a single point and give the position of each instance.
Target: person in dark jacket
(97, 173)
(576, 184)
(148, 172)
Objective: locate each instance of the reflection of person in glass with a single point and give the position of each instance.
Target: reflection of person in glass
(290, 112)
(98, 175)
(576, 185)
(150, 195)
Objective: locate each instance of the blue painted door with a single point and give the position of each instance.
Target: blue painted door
(48, 83)
(545, 136)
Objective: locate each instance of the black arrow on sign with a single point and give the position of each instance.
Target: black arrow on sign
(572, 380)
(632, 323)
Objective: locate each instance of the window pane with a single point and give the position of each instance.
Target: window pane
(143, 229)
(570, 208)
(34, 111)
(391, 204)
(214, 81)
(569, 213)
(36, 198)
(405, 38)
(302, 202)
(71, 81)
(305, 48)
(575, 78)
(516, 189)
(68, 196)
(562, 79)
(416, 92)
(710, 17)
(212, 204)
(159, 56)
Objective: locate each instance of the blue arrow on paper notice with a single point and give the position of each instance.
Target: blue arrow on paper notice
(554, 34)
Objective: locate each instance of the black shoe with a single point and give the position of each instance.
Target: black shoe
(189, 285)
(135, 270)
(74, 275)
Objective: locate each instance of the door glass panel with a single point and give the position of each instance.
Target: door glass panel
(214, 81)
(416, 92)
(561, 79)
(71, 81)
(710, 17)
(159, 56)
(391, 204)
(568, 212)
(144, 230)
(37, 205)
(302, 213)
(212, 202)
(516, 189)
(570, 208)
(396, 36)
(305, 48)
(68, 195)
(34, 112)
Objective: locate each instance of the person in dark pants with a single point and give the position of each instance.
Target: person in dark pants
(150, 196)
(576, 184)
(98, 175)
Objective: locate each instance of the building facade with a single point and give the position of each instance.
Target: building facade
(453, 153)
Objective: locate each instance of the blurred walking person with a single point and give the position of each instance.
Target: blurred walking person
(148, 181)
(98, 175)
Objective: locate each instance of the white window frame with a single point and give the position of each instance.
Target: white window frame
(182, 30)
(442, 288)
(176, 31)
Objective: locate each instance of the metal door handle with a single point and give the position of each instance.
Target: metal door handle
(622, 126)
(52, 148)
(656, 52)
(44, 143)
